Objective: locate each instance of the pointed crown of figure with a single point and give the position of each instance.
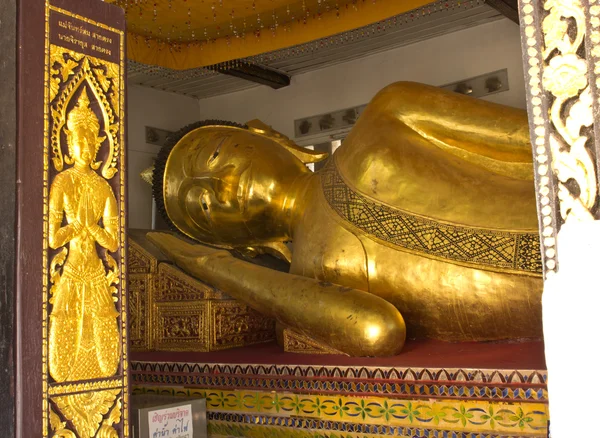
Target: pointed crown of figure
(82, 116)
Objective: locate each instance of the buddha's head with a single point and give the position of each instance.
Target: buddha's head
(230, 185)
(83, 130)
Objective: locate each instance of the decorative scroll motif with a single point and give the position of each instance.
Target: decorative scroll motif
(142, 267)
(139, 261)
(69, 388)
(294, 342)
(84, 324)
(140, 290)
(556, 37)
(503, 385)
(59, 427)
(86, 412)
(181, 326)
(174, 286)
(480, 247)
(259, 426)
(565, 78)
(522, 418)
(235, 324)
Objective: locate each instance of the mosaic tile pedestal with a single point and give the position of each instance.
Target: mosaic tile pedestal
(433, 389)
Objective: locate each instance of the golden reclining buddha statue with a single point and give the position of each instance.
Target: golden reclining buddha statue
(422, 224)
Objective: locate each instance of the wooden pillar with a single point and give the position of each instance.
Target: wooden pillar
(8, 138)
(561, 56)
(70, 312)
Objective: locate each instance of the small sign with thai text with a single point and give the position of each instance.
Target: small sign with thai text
(173, 422)
(157, 416)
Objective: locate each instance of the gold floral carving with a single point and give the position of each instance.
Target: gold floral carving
(174, 285)
(69, 388)
(235, 324)
(139, 261)
(181, 326)
(59, 427)
(140, 289)
(565, 77)
(84, 325)
(86, 411)
(294, 342)
(106, 430)
(83, 332)
(561, 101)
(94, 73)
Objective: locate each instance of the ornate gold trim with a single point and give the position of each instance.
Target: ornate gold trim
(507, 251)
(65, 72)
(294, 342)
(175, 285)
(140, 295)
(232, 323)
(181, 326)
(561, 84)
(140, 261)
(89, 422)
(69, 388)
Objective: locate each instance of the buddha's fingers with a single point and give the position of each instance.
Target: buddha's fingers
(178, 250)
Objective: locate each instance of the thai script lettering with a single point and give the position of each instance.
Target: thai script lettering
(101, 49)
(179, 413)
(173, 422)
(74, 28)
(102, 38)
(98, 41)
(71, 39)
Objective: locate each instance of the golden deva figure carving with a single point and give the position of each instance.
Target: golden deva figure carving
(425, 214)
(83, 333)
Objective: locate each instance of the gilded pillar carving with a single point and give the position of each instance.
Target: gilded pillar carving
(84, 302)
(560, 40)
(561, 62)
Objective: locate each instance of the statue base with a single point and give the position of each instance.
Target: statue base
(171, 311)
(432, 389)
(293, 342)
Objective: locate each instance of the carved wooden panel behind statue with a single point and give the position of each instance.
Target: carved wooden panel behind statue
(84, 326)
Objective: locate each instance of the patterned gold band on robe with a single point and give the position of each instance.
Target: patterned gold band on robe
(497, 250)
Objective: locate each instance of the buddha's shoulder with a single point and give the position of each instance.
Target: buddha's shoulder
(66, 177)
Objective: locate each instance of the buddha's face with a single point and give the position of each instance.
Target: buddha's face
(230, 186)
(83, 146)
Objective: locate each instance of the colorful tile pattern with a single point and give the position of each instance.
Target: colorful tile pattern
(460, 415)
(334, 402)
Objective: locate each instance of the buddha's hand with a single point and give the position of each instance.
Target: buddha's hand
(85, 213)
(185, 255)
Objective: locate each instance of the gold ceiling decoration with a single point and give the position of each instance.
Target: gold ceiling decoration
(184, 34)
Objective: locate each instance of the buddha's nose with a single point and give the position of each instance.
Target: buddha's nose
(221, 182)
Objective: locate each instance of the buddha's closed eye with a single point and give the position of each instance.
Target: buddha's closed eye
(215, 154)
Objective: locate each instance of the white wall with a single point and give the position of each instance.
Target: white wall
(147, 107)
(437, 61)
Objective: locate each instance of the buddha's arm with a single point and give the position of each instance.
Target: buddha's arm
(109, 235)
(349, 320)
(57, 235)
(454, 121)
